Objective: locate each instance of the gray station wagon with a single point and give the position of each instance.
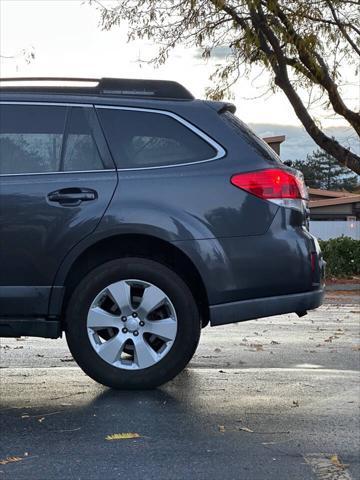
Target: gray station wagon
(132, 215)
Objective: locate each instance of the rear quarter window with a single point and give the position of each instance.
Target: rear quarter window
(144, 139)
(250, 137)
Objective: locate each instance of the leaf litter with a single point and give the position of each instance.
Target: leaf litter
(122, 436)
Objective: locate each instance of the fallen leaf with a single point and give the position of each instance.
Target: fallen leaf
(221, 428)
(67, 360)
(329, 340)
(273, 342)
(295, 403)
(245, 429)
(122, 436)
(10, 460)
(335, 460)
(40, 420)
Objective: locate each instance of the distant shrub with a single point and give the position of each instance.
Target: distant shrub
(342, 256)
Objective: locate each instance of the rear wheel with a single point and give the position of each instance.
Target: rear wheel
(132, 323)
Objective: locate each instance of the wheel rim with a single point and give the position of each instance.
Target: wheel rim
(132, 324)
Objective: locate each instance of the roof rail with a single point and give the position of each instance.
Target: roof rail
(105, 86)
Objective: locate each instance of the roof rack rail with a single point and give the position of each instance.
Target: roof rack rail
(105, 86)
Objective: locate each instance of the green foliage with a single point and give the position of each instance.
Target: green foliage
(342, 256)
(321, 170)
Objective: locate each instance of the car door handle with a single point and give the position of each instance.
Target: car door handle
(72, 196)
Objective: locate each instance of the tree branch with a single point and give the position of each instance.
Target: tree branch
(330, 145)
(321, 74)
(341, 27)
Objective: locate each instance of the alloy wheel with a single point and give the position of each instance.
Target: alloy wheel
(132, 324)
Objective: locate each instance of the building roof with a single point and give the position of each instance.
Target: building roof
(329, 193)
(276, 139)
(334, 201)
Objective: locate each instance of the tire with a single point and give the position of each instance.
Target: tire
(144, 279)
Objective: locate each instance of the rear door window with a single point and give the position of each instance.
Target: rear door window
(47, 138)
(145, 139)
(31, 138)
(80, 150)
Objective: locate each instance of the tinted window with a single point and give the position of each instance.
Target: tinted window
(31, 138)
(250, 137)
(80, 148)
(144, 139)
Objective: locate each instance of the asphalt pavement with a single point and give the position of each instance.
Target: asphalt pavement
(271, 399)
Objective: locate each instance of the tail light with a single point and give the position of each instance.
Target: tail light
(275, 185)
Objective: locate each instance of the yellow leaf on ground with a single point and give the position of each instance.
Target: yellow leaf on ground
(10, 460)
(335, 460)
(245, 429)
(122, 436)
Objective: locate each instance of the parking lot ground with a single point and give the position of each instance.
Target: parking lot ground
(276, 398)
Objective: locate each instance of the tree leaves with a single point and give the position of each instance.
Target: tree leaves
(304, 45)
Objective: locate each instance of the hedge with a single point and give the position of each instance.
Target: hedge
(342, 256)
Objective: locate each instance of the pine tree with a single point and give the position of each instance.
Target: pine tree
(321, 170)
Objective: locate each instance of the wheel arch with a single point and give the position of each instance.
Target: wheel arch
(139, 245)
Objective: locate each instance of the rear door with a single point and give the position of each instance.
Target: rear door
(56, 181)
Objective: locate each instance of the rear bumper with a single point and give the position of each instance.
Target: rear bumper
(264, 307)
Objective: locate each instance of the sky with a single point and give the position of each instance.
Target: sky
(67, 41)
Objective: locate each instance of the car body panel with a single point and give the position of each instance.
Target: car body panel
(36, 235)
(244, 248)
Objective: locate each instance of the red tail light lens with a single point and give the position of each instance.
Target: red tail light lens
(271, 184)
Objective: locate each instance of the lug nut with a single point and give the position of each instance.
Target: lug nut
(124, 330)
(141, 323)
(134, 314)
(123, 319)
(136, 333)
